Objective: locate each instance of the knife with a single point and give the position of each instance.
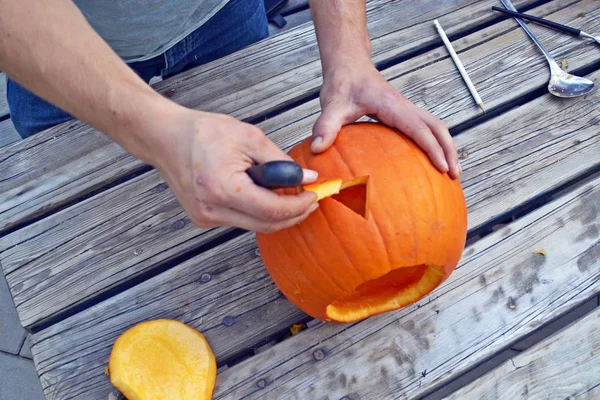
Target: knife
(276, 174)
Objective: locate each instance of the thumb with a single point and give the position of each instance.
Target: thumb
(328, 125)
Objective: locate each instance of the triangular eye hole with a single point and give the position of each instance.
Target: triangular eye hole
(355, 196)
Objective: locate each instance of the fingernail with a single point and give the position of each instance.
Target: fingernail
(309, 175)
(316, 142)
(313, 207)
(445, 166)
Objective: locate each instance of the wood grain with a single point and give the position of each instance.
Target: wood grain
(563, 366)
(8, 133)
(75, 349)
(3, 102)
(47, 262)
(259, 78)
(293, 21)
(502, 291)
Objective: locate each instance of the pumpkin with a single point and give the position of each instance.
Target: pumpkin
(162, 359)
(390, 227)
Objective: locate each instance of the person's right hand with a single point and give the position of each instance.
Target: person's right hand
(203, 157)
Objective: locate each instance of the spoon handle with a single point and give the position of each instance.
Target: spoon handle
(509, 6)
(542, 21)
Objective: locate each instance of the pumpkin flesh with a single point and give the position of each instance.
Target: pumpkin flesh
(396, 289)
(162, 359)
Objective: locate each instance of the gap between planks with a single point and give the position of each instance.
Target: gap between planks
(3, 102)
(259, 78)
(143, 226)
(239, 287)
(563, 366)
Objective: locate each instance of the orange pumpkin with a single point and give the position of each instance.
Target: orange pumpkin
(390, 228)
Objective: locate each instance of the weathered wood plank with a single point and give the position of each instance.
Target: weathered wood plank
(563, 366)
(501, 292)
(8, 133)
(3, 103)
(260, 78)
(292, 6)
(75, 349)
(293, 21)
(45, 262)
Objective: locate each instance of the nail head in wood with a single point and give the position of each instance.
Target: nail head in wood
(261, 384)
(178, 224)
(318, 354)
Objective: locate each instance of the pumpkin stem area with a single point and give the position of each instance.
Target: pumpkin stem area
(391, 291)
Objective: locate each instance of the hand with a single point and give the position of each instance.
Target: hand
(205, 166)
(356, 88)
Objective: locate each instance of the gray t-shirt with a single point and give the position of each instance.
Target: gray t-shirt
(141, 29)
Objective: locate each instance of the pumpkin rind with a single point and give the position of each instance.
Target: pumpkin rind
(415, 216)
(162, 359)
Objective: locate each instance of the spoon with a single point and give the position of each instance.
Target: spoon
(561, 84)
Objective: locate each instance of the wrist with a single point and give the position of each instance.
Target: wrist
(342, 65)
(146, 126)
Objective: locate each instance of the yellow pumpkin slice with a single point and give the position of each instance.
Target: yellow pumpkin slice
(161, 360)
(324, 189)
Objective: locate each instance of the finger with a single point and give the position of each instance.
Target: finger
(440, 131)
(329, 124)
(269, 205)
(229, 217)
(262, 150)
(408, 121)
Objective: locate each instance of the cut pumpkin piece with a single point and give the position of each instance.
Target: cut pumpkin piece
(324, 189)
(163, 359)
(354, 193)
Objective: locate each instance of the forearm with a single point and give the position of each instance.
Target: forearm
(341, 28)
(49, 48)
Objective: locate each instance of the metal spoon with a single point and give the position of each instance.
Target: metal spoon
(561, 84)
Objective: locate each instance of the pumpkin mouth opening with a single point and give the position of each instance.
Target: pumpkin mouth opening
(391, 291)
(353, 194)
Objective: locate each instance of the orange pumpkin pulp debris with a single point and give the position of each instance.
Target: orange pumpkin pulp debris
(390, 227)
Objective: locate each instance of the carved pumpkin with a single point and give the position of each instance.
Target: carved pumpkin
(390, 228)
(162, 359)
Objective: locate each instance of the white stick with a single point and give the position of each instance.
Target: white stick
(459, 65)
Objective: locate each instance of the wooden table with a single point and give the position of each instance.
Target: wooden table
(92, 241)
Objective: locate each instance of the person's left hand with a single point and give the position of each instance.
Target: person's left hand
(355, 89)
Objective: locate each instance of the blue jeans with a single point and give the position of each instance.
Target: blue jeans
(238, 24)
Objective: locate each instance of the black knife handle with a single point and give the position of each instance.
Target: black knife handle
(539, 20)
(276, 174)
